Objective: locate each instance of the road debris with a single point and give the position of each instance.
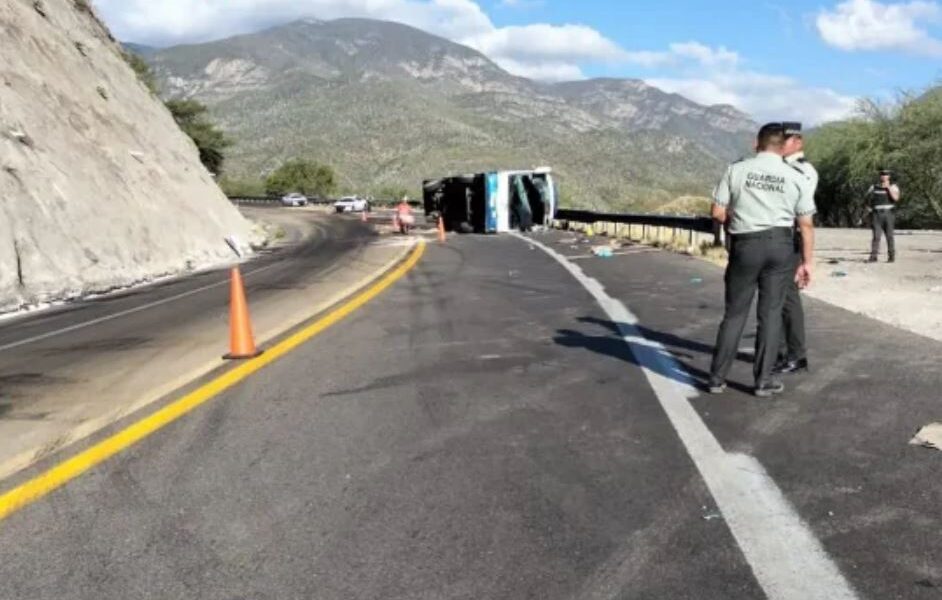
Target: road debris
(929, 436)
(696, 280)
(839, 274)
(603, 251)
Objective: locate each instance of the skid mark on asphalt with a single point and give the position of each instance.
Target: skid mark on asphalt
(786, 558)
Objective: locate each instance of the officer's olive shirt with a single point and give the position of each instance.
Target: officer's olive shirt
(764, 192)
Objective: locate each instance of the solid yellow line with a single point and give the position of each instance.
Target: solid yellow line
(71, 468)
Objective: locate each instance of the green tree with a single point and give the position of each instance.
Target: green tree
(211, 142)
(142, 70)
(304, 176)
(232, 186)
(903, 136)
(394, 193)
(190, 115)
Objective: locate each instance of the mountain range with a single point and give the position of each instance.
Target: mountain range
(388, 105)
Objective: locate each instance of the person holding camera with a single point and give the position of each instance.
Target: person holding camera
(883, 197)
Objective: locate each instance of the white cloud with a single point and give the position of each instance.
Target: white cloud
(541, 41)
(538, 50)
(871, 25)
(715, 76)
(710, 75)
(544, 70)
(765, 97)
(705, 55)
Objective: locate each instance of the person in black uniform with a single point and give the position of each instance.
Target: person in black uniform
(883, 197)
(793, 352)
(760, 198)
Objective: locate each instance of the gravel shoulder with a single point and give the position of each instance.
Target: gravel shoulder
(906, 294)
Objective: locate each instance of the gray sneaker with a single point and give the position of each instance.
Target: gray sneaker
(717, 385)
(768, 389)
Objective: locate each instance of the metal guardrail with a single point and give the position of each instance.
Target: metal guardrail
(684, 223)
(267, 200)
(254, 200)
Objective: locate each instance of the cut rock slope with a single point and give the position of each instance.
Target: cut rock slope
(99, 189)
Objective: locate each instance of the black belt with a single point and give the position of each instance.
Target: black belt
(766, 234)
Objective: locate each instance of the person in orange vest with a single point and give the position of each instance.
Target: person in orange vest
(404, 215)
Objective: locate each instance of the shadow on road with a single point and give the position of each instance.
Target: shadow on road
(665, 360)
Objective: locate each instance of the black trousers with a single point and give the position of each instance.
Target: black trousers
(758, 261)
(792, 345)
(883, 221)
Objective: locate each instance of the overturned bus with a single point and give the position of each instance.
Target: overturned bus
(493, 202)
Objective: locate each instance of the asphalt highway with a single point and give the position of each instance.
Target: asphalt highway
(85, 330)
(486, 429)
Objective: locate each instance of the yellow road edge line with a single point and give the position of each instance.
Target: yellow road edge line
(60, 474)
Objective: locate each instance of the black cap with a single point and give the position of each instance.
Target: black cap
(771, 128)
(791, 128)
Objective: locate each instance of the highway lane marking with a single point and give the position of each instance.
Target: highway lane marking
(126, 312)
(136, 309)
(60, 474)
(788, 561)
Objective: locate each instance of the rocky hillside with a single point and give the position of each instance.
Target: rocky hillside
(98, 187)
(388, 104)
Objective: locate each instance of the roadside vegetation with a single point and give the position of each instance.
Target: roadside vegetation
(905, 136)
(191, 116)
(304, 176)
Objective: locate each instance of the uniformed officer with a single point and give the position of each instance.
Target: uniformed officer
(761, 198)
(792, 352)
(883, 197)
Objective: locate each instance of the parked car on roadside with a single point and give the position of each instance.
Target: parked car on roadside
(294, 199)
(352, 204)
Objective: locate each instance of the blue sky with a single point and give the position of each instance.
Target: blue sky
(803, 59)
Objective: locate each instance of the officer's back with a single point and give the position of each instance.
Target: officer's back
(760, 198)
(761, 192)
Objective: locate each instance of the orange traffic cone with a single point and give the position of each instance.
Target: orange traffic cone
(441, 230)
(241, 340)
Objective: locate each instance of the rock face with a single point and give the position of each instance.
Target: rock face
(99, 189)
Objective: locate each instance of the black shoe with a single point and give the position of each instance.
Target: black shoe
(769, 389)
(891, 259)
(788, 367)
(872, 259)
(717, 385)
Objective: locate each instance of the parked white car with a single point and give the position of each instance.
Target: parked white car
(294, 199)
(351, 204)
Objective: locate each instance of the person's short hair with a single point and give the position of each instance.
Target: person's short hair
(771, 135)
(886, 172)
